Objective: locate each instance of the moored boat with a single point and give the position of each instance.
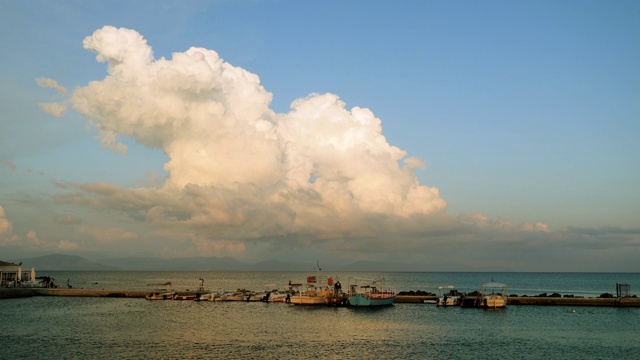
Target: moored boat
(272, 294)
(367, 293)
(489, 298)
(160, 295)
(184, 297)
(448, 298)
(312, 295)
(315, 293)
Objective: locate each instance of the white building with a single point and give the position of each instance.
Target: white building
(11, 275)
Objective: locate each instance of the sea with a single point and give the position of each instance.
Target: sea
(131, 328)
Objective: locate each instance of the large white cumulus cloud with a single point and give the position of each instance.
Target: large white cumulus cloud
(236, 165)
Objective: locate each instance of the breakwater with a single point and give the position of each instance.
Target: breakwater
(28, 292)
(417, 299)
(543, 301)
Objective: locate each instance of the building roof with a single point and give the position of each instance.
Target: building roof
(4, 263)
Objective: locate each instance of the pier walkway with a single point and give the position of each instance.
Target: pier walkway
(524, 300)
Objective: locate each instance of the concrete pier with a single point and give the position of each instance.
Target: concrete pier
(28, 292)
(417, 299)
(543, 301)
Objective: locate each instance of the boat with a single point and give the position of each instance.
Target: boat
(489, 297)
(209, 296)
(160, 295)
(254, 296)
(272, 294)
(276, 296)
(314, 293)
(184, 297)
(448, 298)
(232, 296)
(368, 293)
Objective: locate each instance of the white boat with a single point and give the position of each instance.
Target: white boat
(209, 296)
(160, 295)
(367, 293)
(276, 296)
(489, 297)
(273, 294)
(233, 296)
(189, 297)
(448, 298)
(254, 296)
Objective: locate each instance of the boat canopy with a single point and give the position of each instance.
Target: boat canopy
(446, 287)
(494, 285)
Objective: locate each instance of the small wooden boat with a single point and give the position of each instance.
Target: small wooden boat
(184, 297)
(367, 293)
(160, 295)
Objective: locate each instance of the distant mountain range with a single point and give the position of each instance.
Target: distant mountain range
(58, 262)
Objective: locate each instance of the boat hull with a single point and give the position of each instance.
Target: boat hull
(160, 296)
(365, 301)
(450, 301)
(308, 300)
(492, 301)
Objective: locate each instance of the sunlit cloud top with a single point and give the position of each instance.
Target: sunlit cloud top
(320, 168)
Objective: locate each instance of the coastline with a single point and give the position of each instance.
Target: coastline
(13, 293)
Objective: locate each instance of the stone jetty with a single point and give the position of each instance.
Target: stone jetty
(542, 301)
(28, 292)
(417, 299)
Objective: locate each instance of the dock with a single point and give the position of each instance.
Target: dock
(337, 301)
(542, 301)
(29, 292)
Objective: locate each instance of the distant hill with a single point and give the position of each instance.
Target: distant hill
(274, 265)
(63, 262)
(177, 264)
(58, 262)
(377, 266)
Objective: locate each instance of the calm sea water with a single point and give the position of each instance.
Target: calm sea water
(109, 328)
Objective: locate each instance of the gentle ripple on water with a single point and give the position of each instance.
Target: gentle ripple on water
(110, 328)
(58, 327)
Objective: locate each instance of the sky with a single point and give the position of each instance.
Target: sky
(443, 136)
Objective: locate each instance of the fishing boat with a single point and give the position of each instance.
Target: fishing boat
(160, 295)
(367, 293)
(314, 292)
(311, 295)
(209, 296)
(254, 296)
(276, 296)
(184, 297)
(232, 296)
(489, 297)
(272, 294)
(448, 298)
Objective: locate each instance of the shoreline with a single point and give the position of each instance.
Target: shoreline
(416, 299)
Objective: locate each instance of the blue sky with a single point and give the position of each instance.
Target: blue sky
(525, 115)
